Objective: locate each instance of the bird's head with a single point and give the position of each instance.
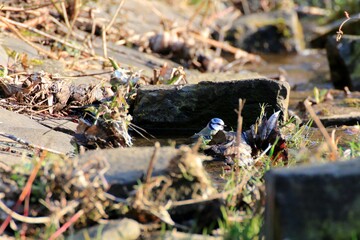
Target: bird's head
(216, 124)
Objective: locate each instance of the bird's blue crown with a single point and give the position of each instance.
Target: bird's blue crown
(216, 124)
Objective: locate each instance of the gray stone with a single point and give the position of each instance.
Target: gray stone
(314, 202)
(269, 32)
(343, 57)
(31, 131)
(124, 229)
(128, 165)
(190, 107)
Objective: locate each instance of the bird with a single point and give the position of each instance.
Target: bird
(215, 125)
(223, 145)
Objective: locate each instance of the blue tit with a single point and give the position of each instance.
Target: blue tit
(215, 125)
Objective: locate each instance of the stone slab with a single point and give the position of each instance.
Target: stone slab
(190, 107)
(314, 202)
(128, 165)
(31, 131)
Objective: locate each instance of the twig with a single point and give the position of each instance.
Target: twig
(65, 16)
(13, 29)
(22, 141)
(239, 127)
(153, 160)
(115, 15)
(24, 219)
(197, 145)
(24, 226)
(56, 6)
(63, 228)
(90, 74)
(115, 199)
(70, 207)
(239, 53)
(103, 35)
(322, 129)
(340, 33)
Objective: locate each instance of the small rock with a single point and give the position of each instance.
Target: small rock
(314, 202)
(190, 107)
(343, 57)
(268, 32)
(124, 229)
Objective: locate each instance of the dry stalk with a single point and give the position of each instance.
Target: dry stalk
(103, 35)
(240, 122)
(329, 141)
(115, 15)
(197, 145)
(153, 160)
(54, 3)
(65, 16)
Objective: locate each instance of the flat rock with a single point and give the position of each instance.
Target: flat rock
(190, 107)
(343, 57)
(128, 165)
(31, 131)
(124, 229)
(314, 202)
(341, 110)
